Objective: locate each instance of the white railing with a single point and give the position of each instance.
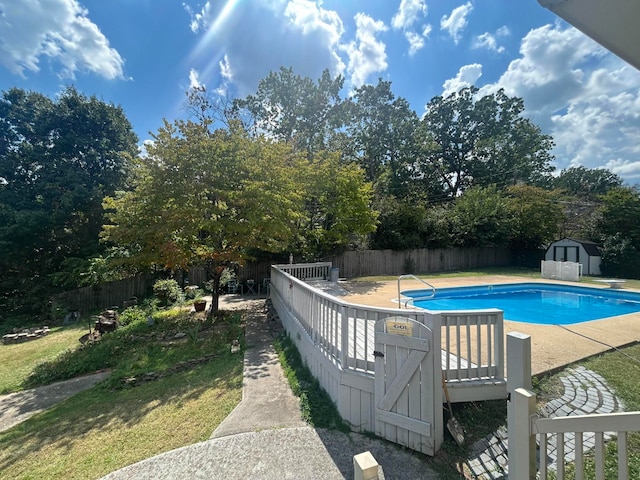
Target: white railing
(412, 300)
(473, 341)
(307, 271)
(583, 432)
(570, 437)
(570, 271)
(346, 332)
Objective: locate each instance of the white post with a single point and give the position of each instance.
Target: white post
(365, 467)
(522, 444)
(498, 343)
(344, 340)
(518, 376)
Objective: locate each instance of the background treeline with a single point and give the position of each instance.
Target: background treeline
(299, 166)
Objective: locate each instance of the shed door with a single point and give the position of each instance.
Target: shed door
(566, 254)
(404, 384)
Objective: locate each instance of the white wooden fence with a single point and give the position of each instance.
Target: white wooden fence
(337, 340)
(583, 432)
(569, 271)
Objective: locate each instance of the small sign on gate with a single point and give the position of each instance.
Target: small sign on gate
(399, 326)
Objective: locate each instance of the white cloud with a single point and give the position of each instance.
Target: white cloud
(466, 77)
(416, 42)
(503, 31)
(226, 71)
(294, 33)
(549, 71)
(324, 25)
(456, 22)
(586, 98)
(60, 30)
(408, 13)
(194, 81)
(198, 20)
(488, 41)
(367, 54)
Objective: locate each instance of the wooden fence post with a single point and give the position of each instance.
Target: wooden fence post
(522, 444)
(344, 341)
(518, 376)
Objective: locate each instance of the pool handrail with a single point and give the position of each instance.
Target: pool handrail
(408, 275)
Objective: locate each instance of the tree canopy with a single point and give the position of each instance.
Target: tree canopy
(586, 183)
(479, 141)
(58, 159)
(202, 197)
(209, 198)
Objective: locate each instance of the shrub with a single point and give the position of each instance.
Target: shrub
(167, 292)
(131, 315)
(620, 258)
(191, 293)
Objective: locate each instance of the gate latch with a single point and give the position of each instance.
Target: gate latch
(376, 354)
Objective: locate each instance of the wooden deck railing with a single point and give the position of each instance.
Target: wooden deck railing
(307, 271)
(574, 435)
(472, 350)
(474, 343)
(582, 432)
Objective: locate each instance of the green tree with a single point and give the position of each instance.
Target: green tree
(384, 137)
(620, 213)
(381, 135)
(481, 217)
(586, 183)
(483, 141)
(294, 109)
(620, 257)
(618, 230)
(339, 212)
(207, 198)
(57, 161)
(581, 189)
(536, 217)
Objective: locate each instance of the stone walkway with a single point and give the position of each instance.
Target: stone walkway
(19, 406)
(585, 392)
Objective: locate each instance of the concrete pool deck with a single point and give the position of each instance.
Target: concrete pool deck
(553, 347)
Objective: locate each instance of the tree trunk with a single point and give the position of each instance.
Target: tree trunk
(215, 273)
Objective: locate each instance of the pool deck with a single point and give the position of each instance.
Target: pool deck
(553, 347)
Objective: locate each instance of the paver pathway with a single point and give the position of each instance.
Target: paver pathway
(585, 392)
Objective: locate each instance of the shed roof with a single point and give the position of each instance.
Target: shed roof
(590, 247)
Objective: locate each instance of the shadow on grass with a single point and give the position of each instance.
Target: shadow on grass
(111, 409)
(66, 425)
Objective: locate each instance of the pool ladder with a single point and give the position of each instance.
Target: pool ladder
(401, 277)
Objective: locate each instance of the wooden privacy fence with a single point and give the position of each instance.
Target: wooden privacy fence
(391, 262)
(385, 262)
(105, 295)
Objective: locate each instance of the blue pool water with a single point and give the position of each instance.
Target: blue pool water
(542, 303)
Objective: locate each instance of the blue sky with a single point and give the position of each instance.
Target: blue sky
(145, 54)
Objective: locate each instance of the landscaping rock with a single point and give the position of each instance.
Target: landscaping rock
(24, 335)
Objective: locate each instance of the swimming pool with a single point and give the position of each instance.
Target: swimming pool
(542, 303)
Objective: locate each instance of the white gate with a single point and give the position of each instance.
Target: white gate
(407, 412)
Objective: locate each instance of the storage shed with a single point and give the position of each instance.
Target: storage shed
(584, 252)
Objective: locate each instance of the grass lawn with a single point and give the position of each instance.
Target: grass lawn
(100, 430)
(18, 361)
(113, 425)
